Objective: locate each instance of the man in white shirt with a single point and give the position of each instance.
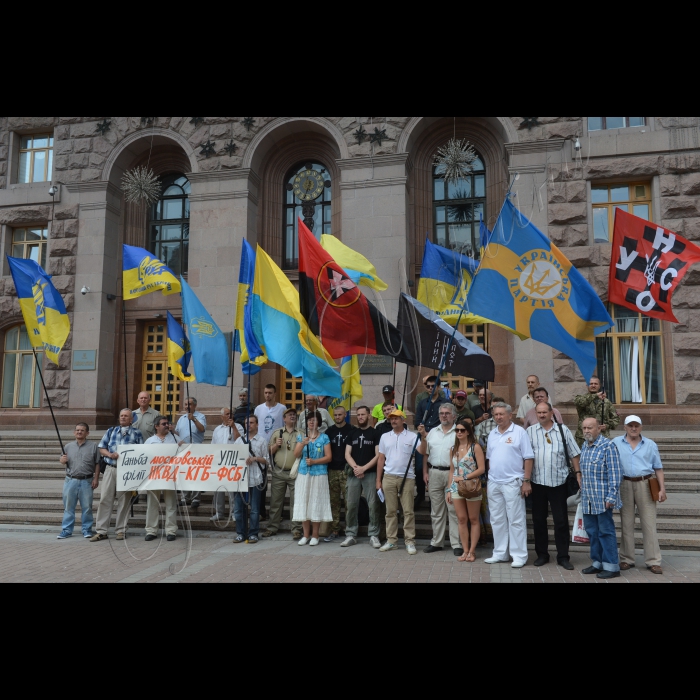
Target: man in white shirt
(270, 415)
(163, 436)
(511, 460)
(395, 453)
(258, 460)
(192, 428)
(226, 434)
(312, 406)
(436, 446)
(528, 401)
(145, 417)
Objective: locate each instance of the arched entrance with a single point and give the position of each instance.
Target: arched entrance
(162, 229)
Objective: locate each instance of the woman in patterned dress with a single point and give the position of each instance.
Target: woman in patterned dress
(312, 501)
(467, 464)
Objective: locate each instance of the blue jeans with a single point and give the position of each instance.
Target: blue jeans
(74, 491)
(604, 551)
(239, 509)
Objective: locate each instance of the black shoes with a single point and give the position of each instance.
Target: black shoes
(542, 561)
(432, 550)
(567, 565)
(592, 571)
(609, 575)
(171, 538)
(151, 538)
(459, 552)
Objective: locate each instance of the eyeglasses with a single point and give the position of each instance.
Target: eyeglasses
(462, 430)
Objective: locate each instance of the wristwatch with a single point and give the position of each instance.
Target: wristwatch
(527, 481)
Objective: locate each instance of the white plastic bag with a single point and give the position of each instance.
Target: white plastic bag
(580, 534)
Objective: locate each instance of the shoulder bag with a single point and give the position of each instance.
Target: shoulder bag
(572, 486)
(470, 488)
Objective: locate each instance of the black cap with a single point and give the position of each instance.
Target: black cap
(388, 389)
(479, 382)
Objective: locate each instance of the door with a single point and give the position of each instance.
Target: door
(157, 380)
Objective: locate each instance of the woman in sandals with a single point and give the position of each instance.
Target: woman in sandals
(312, 502)
(467, 463)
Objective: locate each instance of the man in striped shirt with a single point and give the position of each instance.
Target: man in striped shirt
(549, 479)
(601, 480)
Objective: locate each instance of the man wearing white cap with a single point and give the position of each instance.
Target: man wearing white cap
(641, 463)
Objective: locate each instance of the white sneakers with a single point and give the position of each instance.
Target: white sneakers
(411, 549)
(350, 542)
(314, 543)
(514, 565)
(388, 547)
(303, 542)
(374, 541)
(493, 560)
(518, 565)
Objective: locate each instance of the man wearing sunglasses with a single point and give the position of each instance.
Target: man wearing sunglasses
(435, 447)
(282, 446)
(549, 489)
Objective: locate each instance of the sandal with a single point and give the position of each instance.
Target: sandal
(471, 558)
(239, 540)
(253, 540)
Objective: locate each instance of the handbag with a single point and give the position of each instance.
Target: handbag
(580, 535)
(470, 488)
(572, 486)
(655, 488)
(294, 473)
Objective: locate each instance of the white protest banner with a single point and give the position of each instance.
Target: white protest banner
(204, 468)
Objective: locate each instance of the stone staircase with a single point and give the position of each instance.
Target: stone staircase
(31, 481)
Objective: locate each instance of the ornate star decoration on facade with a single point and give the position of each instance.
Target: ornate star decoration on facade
(360, 135)
(454, 160)
(208, 149)
(248, 122)
(104, 126)
(231, 148)
(378, 136)
(530, 122)
(141, 184)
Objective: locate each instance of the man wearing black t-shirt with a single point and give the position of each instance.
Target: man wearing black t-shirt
(362, 455)
(337, 480)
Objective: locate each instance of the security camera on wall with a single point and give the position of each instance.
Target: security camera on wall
(85, 291)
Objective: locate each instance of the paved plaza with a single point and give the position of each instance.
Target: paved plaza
(29, 556)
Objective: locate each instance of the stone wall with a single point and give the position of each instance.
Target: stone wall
(667, 154)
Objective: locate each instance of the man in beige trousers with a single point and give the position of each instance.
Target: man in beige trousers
(162, 437)
(124, 434)
(641, 462)
(436, 446)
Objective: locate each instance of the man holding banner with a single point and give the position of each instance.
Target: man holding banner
(162, 437)
(123, 434)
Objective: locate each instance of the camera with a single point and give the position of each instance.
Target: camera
(85, 290)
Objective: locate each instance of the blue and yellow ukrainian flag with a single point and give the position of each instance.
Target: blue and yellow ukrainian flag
(283, 333)
(245, 338)
(352, 390)
(357, 267)
(179, 352)
(210, 351)
(526, 284)
(445, 281)
(485, 236)
(144, 274)
(45, 316)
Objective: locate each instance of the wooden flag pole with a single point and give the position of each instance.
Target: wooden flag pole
(126, 363)
(48, 401)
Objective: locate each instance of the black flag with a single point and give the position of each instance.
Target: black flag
(426, 336)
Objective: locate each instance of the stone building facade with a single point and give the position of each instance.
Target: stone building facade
(571, 174)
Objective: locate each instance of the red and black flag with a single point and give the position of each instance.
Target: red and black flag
(338, 312)
(648, 264)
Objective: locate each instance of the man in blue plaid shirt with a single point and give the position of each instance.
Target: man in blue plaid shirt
(601, 479)
(123, 434)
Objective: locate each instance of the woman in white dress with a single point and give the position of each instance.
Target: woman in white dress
(312, 499)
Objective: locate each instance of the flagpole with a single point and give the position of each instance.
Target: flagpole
(126, 364)
(446, 355)
(233, 369)
(187, 390)
(48, 401)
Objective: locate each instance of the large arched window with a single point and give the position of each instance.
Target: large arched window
(21, 384)
(170, 224)
(458, 208)
(312, 182)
